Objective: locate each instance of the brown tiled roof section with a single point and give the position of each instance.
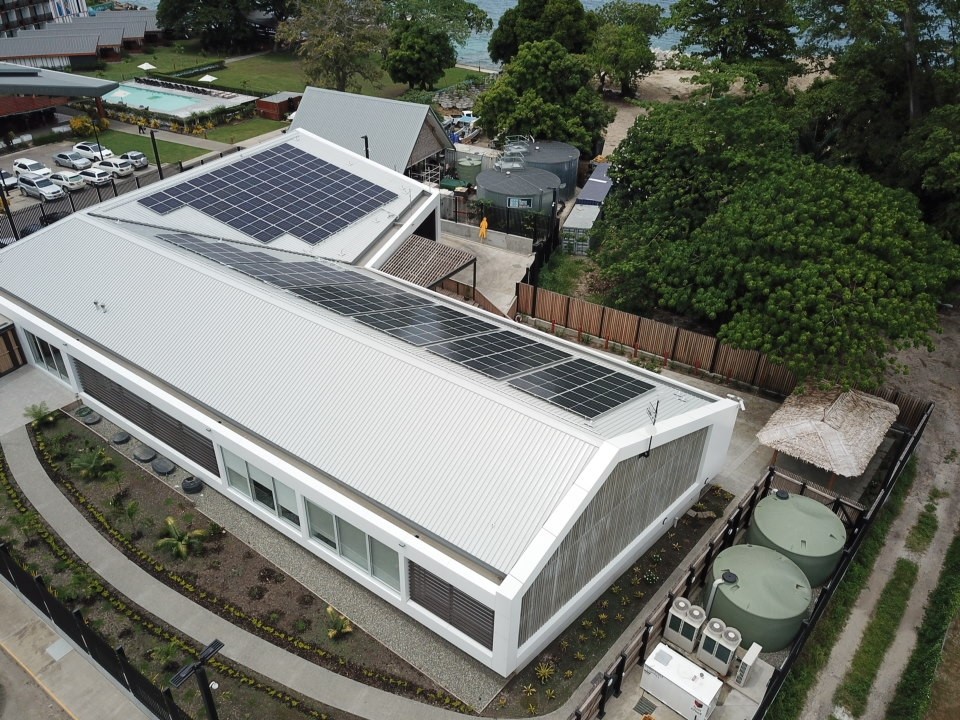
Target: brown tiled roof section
(426, 262)
(14, 105)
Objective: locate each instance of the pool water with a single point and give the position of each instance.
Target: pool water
(155, 99)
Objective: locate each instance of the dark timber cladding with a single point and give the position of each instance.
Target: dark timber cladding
(281, 190)
(637, 491)
(144, 415)
(451, 605)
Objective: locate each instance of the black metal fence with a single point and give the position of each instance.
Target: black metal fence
(16, 224)
(113, 660)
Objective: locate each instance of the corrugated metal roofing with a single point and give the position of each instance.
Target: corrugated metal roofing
(426, 262)
(106, 36)
(392, 126)
(48, 46)
(132, 28)
(393, 427)
(40, 81)
(582, 217)
(597, 187)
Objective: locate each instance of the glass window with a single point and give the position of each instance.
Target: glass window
(321, 524)
(236, 472)
(47, 356)
(353, 543)
(386, 563)
(287, 503)
(262, 487)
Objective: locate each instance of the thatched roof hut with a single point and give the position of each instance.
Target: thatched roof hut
(839, 432)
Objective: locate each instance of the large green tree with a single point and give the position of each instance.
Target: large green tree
(545, 93)
(458, 19)
(221, 25)
(564, 21)
(736, 30)
(715, 215)
(419, 54)
(339, 41)
(621, 44)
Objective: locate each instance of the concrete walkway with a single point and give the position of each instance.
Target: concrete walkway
(166, 135)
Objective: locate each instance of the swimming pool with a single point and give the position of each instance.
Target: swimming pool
(179, 103)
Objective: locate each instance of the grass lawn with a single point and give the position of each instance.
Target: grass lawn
(176, 56)
(121, 142)
(244, 130)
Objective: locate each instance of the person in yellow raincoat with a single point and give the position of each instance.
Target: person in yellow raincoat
(483, 228)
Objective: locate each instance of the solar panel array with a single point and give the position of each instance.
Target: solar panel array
(281, 190)
(578, 385)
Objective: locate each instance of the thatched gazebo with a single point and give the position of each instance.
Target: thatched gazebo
(836, 431)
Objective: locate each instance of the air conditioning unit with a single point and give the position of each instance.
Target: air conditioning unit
(746, 664)
(683, 624)
(726, 651)
(709, 641)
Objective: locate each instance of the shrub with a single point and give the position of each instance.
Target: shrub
(40, 414)
(337, 625)
(179, 543)
(82, 126)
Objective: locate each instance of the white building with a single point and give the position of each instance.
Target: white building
(486, 479)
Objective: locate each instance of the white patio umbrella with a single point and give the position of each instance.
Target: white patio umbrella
(207, 78)
(147, 66)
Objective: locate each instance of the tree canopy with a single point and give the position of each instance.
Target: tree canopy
(736, 30)
(545, 92)
(456, 18)
(339, 41)
(564, 21)
(419, 54)
(621, 44)
(715, 214)
(221, 25)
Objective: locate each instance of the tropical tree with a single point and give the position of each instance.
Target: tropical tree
(221, 25)
(457, 19)
(621, 44)
(545, 92)
(180, 543)
(736, 30)
(419, 54)
(40, 414)
(92, 464)
(564, 21)
(339, 41)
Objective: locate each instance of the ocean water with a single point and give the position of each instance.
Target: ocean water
(474, 52)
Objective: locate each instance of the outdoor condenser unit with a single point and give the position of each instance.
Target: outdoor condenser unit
(719, 646)
(684, 621)
(747, 663)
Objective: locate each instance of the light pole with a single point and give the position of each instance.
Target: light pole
(97, 136)
(156, 153)
(197, 669)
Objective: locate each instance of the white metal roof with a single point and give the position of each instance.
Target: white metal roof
(348, 245)
(391, 126)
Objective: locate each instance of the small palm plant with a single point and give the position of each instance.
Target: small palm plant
(180, 543)
(39, 414)
(337, 625)
(92, 464)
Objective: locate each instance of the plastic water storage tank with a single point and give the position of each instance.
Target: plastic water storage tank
(560, 159)
(807, 532)
(468, 168)
(769, 599)
(528, 189)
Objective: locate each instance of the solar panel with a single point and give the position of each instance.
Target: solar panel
(499, 354)
(281, 190)
(583, 387)
(425, 325)
(359, 298)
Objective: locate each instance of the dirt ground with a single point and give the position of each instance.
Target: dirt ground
(935, 376)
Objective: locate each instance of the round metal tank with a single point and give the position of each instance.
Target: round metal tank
(768, 600)
(804, 530)
(468, 168)
(560, 159)
(528, 189)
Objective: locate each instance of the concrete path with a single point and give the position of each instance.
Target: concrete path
(71, 685)
(179, 138)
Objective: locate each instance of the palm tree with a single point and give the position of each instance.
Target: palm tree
(179, 543)
(91, 464)
(39, 414)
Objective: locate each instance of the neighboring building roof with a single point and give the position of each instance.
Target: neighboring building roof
(132, 28)
(280, 97)
(110, 37)
(597, 187)
(400, 134)
(582, 217)
(838, 432)
(34, 46)
(19, 104)
(426, 262)
(148, 16)
(21, 80)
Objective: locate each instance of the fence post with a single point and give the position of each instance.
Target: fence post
(82, 626)
(124, 665)
(43, 595)
(617, 676)
(533, 309)
(171, 704)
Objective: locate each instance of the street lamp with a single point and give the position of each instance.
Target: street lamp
(197, 669)
(97, 136)
(156, 153)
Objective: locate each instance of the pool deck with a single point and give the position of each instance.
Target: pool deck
(202, 103)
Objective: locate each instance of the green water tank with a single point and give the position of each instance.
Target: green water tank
(764, 595)
(807, 532)
(468, 168)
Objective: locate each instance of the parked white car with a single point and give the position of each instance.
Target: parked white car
(39, 187)
(136, 158)
(26, 165)
(96, 176)
(68, 180)
(8, 180)
(72, 159)
(116, 167)
(92, 151)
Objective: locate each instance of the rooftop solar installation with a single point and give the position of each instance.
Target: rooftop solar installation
(278, 191)
(578, 385)
(582, 387)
